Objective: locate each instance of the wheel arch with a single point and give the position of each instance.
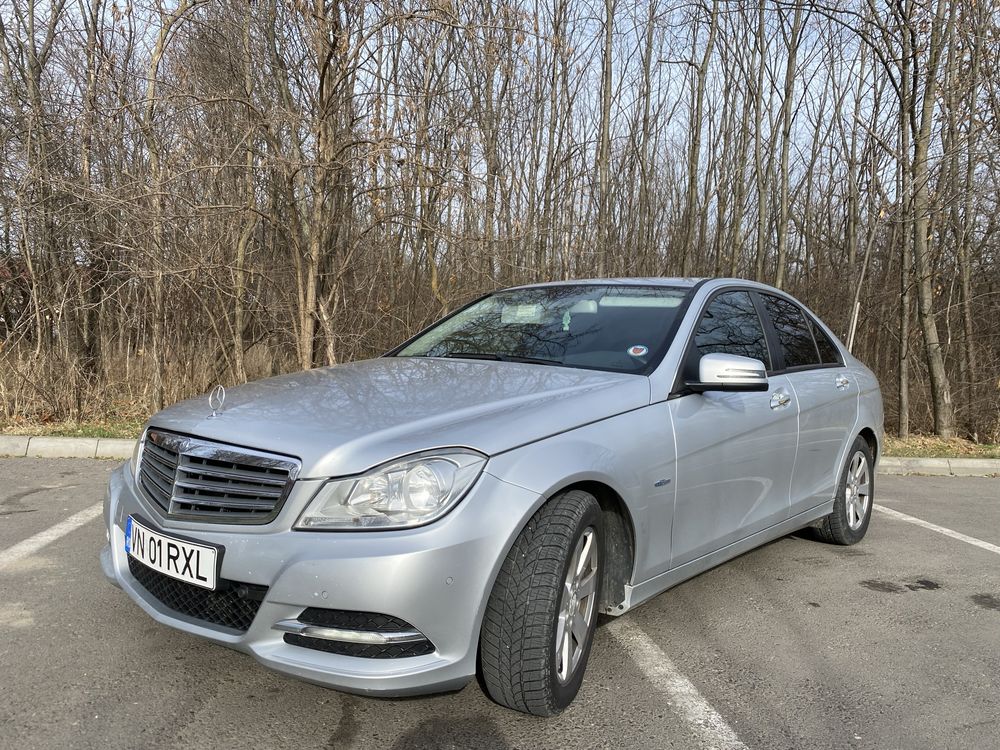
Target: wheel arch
(872, 439)
(619, 542)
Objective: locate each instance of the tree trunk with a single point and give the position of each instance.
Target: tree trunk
(604, 146)
(944, 411)
(786, 140)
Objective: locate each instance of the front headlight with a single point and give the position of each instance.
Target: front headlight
(408, 492)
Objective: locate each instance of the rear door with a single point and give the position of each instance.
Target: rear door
(827, 395)
(735, 451)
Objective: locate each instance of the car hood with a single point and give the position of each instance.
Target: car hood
(345, 419)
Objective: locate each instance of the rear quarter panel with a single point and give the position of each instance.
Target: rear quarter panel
(870, 409)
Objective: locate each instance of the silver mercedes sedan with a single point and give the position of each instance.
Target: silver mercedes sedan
(475, 498)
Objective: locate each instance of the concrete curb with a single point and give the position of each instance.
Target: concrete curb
(68, 447)
(941, 467)
(64, 447)
(13, 445)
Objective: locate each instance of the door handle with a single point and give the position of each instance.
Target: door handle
(780, 399)
(842, 382)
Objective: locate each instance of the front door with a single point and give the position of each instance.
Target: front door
(735, 451)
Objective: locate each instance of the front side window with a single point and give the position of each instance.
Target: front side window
(794, 336)
(620, 328)
(730, 325)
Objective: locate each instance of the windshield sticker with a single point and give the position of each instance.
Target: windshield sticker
(515, 314)
(638, 350)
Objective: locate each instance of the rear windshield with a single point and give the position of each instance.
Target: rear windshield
(601, 327)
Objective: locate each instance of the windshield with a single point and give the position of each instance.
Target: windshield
(603, 327)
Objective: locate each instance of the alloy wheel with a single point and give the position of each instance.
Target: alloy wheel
(858, 491)
(577, 606)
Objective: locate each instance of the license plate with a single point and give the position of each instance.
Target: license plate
(177, 558)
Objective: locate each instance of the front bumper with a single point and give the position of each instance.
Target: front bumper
(436, 578)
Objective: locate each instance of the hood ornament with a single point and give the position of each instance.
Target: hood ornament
(216, 399)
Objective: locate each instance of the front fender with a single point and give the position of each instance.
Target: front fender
(633, 454)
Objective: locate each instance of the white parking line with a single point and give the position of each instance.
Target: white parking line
(34, 543)
(939, 529)
(707, 724)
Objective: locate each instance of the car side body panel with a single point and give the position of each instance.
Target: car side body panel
(645, 590)
(828, 411)
(736, 456)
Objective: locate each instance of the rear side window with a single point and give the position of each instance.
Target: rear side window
(730, 325)
(827, 349)
(794, 336)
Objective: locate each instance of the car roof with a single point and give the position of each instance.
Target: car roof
(632, 281)
(683, 282)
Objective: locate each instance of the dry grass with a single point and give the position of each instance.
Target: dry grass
(922, 446)
(123, 429)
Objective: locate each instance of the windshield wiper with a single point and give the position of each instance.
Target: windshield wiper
(534, 360)
(503, 358)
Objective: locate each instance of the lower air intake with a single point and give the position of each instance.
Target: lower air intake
(232, 605)
(371, 622)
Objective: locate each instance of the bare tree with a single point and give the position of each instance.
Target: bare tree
(210, 190)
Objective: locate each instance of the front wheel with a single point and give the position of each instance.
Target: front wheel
(852, 506)
(540, 619)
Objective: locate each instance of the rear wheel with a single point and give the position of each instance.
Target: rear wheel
(540, 619)
(852, 506)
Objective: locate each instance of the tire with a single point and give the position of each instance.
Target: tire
(521, 666)
(852, 506)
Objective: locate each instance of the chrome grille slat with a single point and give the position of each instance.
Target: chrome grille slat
(165, 465)
(158, 455)
(227, 503)
(162, 485)
(161, 470)
(222, 516)
(197, 478)
(236, 474)
(227, 487)
(156, 491)
(166, 456)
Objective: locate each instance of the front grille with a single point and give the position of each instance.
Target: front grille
(351, 620)
(232, 605)
(200, 479)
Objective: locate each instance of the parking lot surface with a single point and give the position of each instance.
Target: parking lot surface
(893, 643)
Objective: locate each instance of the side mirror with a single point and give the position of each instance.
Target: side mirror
(729, 372)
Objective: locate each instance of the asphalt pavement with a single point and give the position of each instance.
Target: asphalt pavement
(893, 643)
